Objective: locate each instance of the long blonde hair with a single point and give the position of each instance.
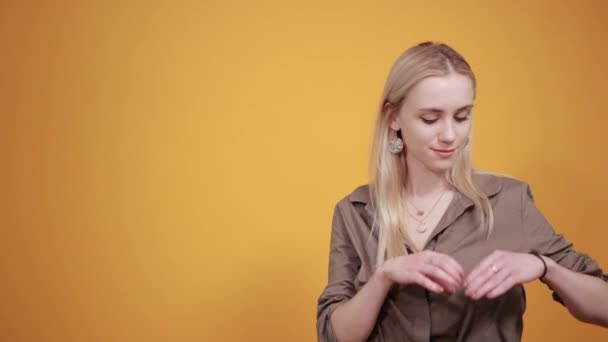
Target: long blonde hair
(388, 171)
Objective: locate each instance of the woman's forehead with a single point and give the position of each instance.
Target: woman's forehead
(452, 90)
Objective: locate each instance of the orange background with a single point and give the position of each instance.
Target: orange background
(169, 169)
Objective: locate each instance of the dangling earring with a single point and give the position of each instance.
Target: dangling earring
(395, 145)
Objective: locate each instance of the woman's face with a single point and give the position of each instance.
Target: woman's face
(435, 121)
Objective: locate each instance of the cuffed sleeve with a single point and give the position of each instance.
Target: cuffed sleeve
(542, 239)
(343, 267)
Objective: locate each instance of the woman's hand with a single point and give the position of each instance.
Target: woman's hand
(434, 271)
(499, 272)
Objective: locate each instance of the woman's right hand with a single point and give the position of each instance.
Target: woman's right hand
(434, 271)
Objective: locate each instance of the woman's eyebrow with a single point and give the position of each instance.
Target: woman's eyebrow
(464, 108)
(431, 110)
(440, 111)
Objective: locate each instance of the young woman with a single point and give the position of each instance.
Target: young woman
(432, 250)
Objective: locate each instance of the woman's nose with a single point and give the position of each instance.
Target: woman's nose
(447, 133)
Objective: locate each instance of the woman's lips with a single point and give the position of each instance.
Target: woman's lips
(444, 153)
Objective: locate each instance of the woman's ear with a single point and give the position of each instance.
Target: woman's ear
(394, 123)
(389, 110)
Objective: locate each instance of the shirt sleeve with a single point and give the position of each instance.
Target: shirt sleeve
(343, 267)
(543, 240)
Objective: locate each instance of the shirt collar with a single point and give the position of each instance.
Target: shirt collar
(488, 183)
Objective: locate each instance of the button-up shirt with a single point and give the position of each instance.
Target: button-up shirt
(411, 313)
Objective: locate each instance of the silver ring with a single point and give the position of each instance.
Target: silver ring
(494, 268)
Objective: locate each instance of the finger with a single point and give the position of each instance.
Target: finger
(494, 281)
(426, 282)
(452, 266)
(455, 277)
(443, 278)
(483, 275)
(449, 265)
(501, 289)
(483, 267)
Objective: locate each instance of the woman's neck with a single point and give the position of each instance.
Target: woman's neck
(422, 182)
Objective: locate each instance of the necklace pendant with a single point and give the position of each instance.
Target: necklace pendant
(421, 227)
(420, 213)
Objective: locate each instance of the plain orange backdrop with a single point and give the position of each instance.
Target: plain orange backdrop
(169, 169)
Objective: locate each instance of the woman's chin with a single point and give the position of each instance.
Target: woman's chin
(441, 166)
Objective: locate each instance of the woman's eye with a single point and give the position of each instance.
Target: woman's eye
(461, 118)
(428, 121)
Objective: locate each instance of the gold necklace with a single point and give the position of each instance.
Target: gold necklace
(422, 227)
(421, 212)
(418, 211)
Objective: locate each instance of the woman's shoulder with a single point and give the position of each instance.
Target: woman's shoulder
(493, 182)
(360, 195)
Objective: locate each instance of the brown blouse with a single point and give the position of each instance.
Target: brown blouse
(410, 313)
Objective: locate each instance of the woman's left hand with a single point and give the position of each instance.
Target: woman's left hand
(499, 272)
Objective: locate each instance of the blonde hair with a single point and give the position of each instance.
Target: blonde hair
(388, 171)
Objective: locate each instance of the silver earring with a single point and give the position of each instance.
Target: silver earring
(395, 145)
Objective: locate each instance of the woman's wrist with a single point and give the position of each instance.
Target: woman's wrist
(542, 260)
(551, 268)
(382, 276)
